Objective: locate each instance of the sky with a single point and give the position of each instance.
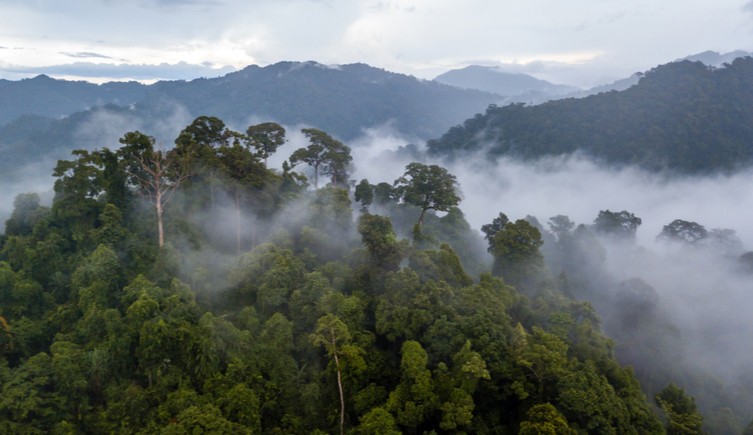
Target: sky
(576, 42)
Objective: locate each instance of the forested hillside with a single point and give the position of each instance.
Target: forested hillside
(50, 98)
(683, 116)
(43, 117)
(196, 290)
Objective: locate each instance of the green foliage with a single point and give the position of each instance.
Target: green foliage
(672, 119)
(516, 252)
(377, 421)
(429, 187)
(265, 138)
(268, 328)
(26, 211)
(364, 193)
(326, 155)
(384, 249)
(622, 225)
(413, 400)
(680, 410)
(544, 419)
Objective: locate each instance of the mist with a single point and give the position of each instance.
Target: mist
(700, 319)
(702, 298)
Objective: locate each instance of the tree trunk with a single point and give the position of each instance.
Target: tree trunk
(237, 221)
(342, 395)
(421, 218)
(160, 228)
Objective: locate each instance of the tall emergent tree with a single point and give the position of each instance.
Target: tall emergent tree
(326, 155)
(154, 173)
(329, 331)
(622, 225)
(239, 169)
(429, 187)
(516, 251)
(265, 138)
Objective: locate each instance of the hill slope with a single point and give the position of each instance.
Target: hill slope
(44, 117)
(515, 86)
(682, 116)
(45, 96)
(343, 100)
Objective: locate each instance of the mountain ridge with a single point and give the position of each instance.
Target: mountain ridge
(683, 117)
(343, 100)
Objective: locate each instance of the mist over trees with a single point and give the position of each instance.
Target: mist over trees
(47, 117)
(265, 304)
(196, 287)
(684, 117)
(274, 306)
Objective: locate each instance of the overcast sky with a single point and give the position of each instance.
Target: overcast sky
(580, 42)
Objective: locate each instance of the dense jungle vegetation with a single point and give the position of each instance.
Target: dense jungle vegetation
(196, 290)
(684, 117)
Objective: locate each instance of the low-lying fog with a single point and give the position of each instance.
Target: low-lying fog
(699, 290)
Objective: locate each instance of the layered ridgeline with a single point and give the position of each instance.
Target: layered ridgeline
(197, 290)
(683, 116)
(41, 116)
(516, 87)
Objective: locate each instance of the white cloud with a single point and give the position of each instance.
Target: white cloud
(118, 72)
(420, 37)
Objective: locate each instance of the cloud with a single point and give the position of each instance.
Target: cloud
(86, 55)
(578, 187)
(163, 71)
(700, 291)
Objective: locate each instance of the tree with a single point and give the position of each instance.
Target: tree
(414, 399)
(468, 368)
(384, 193)
(378, 421)
(265, 138)
(325, 155)
(204, 132)
(155, 174)
(26, 211)
(497, 225)
(561, 226)
(544, 419)
(622, 225)
(241, 169)
(516, 252)
(196, 147)
(745, 262)
(384, 249)
(333, 334)
(682, 415)
(683, 231)
(329, 331)
(364, 194)
(77, 192)
(429, 187)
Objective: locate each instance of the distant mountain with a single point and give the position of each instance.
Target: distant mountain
(618, 85)
(42, 114)
(514, 86)
(715, 59)
(52, 98)
(342, 100)
(683, 116)
(710, 58)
